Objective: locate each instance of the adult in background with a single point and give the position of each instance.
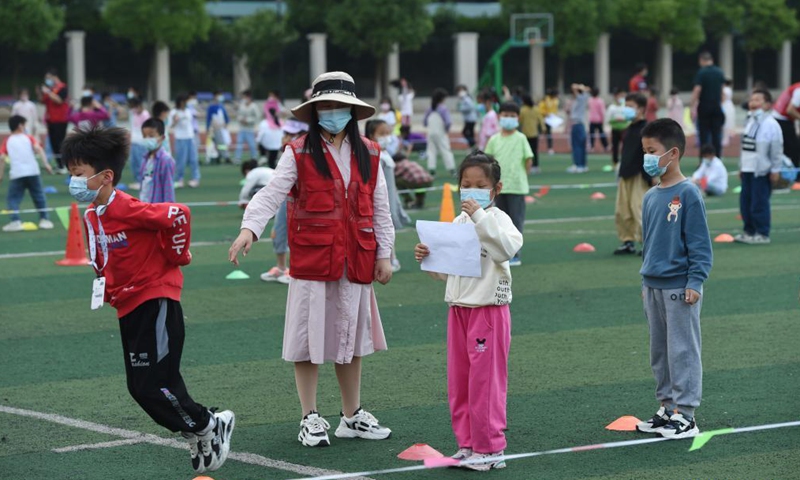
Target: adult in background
(786, 113)
(707, 100)
(638, 82)
(56, 113)
(25, 108)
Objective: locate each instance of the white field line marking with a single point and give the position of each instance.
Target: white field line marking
(133, 437)
(94, 446)
(581, 448)
(535, 221)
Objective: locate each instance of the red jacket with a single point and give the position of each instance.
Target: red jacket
(330, 224)
(782, 104)
(147, 244)
(56, 112)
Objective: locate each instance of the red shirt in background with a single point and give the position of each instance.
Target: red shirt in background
(56, 112)
(637, 83)
(651, 110)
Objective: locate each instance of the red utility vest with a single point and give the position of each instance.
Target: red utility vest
(782, 104)
(330, 223)
(56, 112)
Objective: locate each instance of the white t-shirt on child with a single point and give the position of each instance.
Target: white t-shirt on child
(19, 148)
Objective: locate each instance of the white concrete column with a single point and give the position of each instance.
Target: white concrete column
(466, 59)
(536, 68)
(602, 64)
(76, 63)
(318, 59)
(393, 63)
(664, 82)
(241, 74)
(162, 75)
(785, 65)
(726, 55)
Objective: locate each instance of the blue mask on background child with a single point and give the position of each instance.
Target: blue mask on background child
(151, 144)
(80, 191)
(651, 164)
(509, 123)
(334, 121)
(629, 113)
(481, 195)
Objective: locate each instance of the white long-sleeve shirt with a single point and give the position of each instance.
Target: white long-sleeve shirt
(265, 203)
(715, 173)
(257, 177)
(500, 240)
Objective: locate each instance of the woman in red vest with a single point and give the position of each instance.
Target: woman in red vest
(340, 238)
(54, 97)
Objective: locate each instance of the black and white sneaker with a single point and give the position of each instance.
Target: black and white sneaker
(216, 444)
(627, 248)
(361, 425)
(679, 427)
(655, 424)
(314, 431)
(194, 450)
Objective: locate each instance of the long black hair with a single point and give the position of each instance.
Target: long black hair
(313, 145)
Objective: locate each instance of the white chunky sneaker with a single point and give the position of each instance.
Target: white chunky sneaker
(14, 226)
(361, 425)
(463, 453)
(216, 444)
(314, 431)
(272, 275)
(485, 461)
(45, 224)
(679, 427)
(194, 451)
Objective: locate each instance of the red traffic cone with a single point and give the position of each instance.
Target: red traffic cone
(75, 251)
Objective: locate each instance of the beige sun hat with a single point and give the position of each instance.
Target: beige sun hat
(334, 87)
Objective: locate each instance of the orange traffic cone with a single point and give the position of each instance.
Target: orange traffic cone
(625, 423)
(76, 252)
(419, 451)
(447, 213)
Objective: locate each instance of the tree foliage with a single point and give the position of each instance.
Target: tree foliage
(370, 27)
(174, 23)
(260, 36)
(677, 22)
(578, 23)
(309, 16)
(29, 25)
(82, 14)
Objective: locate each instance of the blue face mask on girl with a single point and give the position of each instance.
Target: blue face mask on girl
(481, 195)
(80, 191)
(334, 121)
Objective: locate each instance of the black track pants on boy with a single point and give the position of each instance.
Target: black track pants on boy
(152, 342)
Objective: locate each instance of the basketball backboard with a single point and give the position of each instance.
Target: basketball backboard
(531, 29)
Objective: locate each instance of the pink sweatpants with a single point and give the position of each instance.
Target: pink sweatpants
(478, 340)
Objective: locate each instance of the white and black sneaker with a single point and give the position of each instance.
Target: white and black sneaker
(215, 445)
(314, 431)
(679, 427)
(361, 425)
(194, 450)
(655, 424)
(485, 461)
(627, 248)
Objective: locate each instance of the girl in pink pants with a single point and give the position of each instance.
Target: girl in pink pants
(479, 322)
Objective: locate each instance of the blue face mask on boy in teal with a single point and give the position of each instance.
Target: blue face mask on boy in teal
(481, 195)
(509, 123)
(334, 120)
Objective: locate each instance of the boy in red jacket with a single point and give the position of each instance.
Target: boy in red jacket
(137, 250)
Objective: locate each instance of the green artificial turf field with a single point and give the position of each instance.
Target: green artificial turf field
(579, 355)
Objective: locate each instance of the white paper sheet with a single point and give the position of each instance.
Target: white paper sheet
(554, 121)
(455, 248)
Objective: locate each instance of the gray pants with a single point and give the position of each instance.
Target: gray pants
(675, 348)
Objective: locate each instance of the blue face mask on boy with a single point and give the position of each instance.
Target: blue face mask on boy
(80, 191)
(651, 164)
(481, 195)
(509, 123)
(334, 121)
